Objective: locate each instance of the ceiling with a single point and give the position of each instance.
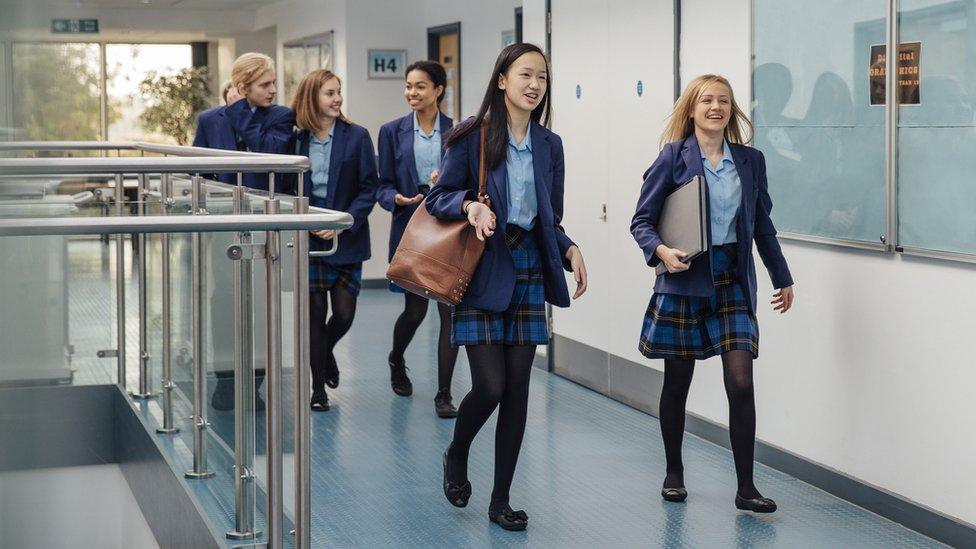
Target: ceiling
(157, 4)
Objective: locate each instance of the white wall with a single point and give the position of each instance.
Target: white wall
(261, 41)
(869, 374)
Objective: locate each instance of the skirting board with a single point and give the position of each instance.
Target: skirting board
(639, 386)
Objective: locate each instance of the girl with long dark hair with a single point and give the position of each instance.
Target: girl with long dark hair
(502, 317)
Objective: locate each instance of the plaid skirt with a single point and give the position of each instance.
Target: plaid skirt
(692, 327)
(323, 276)
(524, 322)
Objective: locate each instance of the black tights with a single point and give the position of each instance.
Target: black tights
(414, 311)
(499, 378)
(325, 334)
(737, 368)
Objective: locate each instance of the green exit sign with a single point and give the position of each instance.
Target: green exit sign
(74, 26)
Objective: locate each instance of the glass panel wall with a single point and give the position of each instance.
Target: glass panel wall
(822, 139)
(936, 137)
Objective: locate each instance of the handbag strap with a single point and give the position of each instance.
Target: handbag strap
(483, 170)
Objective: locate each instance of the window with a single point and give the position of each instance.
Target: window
(57, 91)
(302, 57)
(128, 65)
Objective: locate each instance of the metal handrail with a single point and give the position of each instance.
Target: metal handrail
(135, 165)
(182, 159)
(144, 146)
(67, 145)
(174, 224)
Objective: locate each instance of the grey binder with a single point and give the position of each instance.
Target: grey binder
(684, 221)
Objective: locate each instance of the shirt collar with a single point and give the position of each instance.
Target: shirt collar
(327, 139)
(726, 153)
(418, 129)
(526, 143)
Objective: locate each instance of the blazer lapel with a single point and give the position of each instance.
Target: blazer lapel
(498, 182)
(339, 133)
(746, 182)
(691, 154)
(541, 164)
(228, 137)
(446, 125)
(406, 148)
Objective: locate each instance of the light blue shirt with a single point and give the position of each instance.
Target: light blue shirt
(522, 203)
(319, 156)
(426, 149)
(725, 195)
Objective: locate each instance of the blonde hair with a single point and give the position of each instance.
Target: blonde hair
(249, 67)
(681, 125)
(227, 86)
(308, 116)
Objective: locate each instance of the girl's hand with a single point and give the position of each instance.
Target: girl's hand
(575, 257)
(326, 234)
(433, 177)
(401, 200)
(481, 218)
(672, 258)
(783, 299)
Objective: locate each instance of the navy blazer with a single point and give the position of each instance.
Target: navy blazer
(678, 163)
(494, 280)
(398, 170)
(266, 130)
(352, 187)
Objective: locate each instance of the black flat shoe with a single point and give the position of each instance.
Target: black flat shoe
(319, 401)
(674, 494)
(332, 372)
(457, 494)
(508, 519)
(756, 505)
(443, 406)
(398, 379)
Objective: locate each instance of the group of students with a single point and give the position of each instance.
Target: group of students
(699, 309)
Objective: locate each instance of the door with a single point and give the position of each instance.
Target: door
(444, 46)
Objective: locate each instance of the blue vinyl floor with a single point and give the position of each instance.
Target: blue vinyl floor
(589, 474)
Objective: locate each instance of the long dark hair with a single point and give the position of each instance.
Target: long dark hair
(493, 107)
(434, 71)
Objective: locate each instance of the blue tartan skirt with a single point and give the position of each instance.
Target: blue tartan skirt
(692, 327)
(524, 322)
(323, 276)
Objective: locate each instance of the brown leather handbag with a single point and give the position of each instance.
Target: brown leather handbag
(436, 258)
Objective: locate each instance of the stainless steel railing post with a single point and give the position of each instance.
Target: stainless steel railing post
(273, 409)
(200, 423)
(303, 427)
(244, 487)
(140, 240)
(166, 194)
(120, 283)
